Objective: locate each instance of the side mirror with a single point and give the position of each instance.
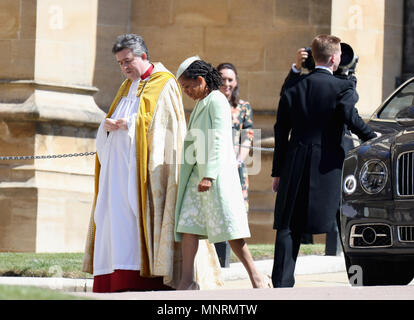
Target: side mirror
(405, 117)
(405, 121)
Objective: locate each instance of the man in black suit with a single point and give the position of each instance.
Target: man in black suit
(309, 153)
(333, 242)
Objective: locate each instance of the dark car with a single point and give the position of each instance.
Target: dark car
(377, 205)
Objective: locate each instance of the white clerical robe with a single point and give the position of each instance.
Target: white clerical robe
(117, 233)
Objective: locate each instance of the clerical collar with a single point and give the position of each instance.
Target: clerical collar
(324, 68)
(147, 73)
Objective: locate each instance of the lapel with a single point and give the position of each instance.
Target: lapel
(200, 106)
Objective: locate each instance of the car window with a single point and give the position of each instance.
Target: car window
(402, 100)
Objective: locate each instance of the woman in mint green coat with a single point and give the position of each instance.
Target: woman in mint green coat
(210, 202)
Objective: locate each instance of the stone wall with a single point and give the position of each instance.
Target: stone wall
(47, 108)
(259, 37)
(17, 39)
(375, 31)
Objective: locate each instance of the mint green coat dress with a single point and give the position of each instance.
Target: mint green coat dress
(218, 214)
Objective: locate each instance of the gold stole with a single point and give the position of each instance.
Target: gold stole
(149, 91)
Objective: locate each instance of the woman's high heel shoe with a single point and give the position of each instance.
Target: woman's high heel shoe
(193, 286)
(265, 283)
(268, 281)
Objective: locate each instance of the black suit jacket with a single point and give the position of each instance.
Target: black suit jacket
(293, 77)
(310, 146)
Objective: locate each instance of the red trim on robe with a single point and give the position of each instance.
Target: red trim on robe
(147, 73)
(126, 280)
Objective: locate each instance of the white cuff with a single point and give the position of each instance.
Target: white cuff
(294, 69)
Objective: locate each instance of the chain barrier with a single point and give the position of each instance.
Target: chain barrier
(82, 154)
(256, 148)
(56, 156)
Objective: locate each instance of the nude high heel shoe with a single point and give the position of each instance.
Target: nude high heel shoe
(193, 286)
(268, 281)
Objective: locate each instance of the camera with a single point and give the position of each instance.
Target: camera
(309, 63)
(348, 63)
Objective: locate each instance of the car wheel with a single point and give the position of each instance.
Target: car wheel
(374, 272)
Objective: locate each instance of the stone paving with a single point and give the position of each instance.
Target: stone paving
(317, 278)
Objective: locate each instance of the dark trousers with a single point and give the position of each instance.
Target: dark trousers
(223, 253)
(286, 251)
(333, 243)
(287, 247)
(288, 240)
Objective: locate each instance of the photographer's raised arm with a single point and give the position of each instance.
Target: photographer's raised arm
(352, 119)
(295, 71)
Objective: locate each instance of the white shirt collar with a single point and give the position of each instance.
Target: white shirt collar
(325, 68)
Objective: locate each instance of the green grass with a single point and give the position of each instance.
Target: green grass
(33, 293)
(69, 265)
(266, 251)
(309, 249)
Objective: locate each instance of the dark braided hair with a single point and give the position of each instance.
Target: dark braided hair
(235, 97)
(205, 70)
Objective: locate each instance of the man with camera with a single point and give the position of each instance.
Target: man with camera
(304, 58)
(309, 152)
(346, 70)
